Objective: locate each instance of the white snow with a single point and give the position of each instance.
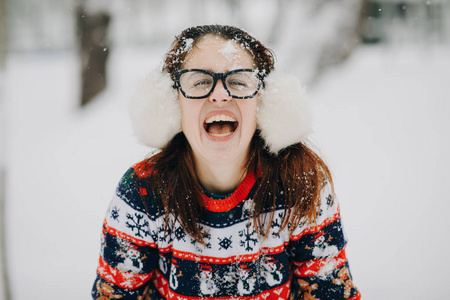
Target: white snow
(189, 42)
(228, 51)
(381, 122)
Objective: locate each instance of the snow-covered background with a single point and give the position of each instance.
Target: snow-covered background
(381, 122)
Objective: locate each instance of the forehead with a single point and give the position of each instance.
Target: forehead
(217, 54)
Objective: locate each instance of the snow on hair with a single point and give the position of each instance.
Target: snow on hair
(155, 110)
(283, 115)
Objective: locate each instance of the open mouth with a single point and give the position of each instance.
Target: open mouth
(220, 125)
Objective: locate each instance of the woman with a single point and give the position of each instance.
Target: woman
(235, 205)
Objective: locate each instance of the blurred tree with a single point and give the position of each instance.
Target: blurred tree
(347, 36)
(401, 21)
(314, 35)
(282, 6)
(5, 293)
(92, 27)
(237, 13)
(2, 34)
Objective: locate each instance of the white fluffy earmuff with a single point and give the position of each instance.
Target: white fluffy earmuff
(155, 110)
(283, 116)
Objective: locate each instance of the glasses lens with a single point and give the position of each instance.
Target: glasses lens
(196, 84)
(243, 83)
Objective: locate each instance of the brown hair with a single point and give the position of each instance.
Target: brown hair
(297, 170)
(183, 43)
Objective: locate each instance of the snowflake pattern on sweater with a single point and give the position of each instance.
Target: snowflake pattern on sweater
(141, 260)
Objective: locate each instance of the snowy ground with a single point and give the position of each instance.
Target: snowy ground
(381, 123)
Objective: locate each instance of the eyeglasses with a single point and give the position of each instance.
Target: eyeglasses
(198, 84)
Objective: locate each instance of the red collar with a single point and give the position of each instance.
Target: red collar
(230, 202)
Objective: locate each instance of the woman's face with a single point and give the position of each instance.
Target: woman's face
(213, 141)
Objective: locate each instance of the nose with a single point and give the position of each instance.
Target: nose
(219, 94)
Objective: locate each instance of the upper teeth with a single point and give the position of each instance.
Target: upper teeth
(218, 118)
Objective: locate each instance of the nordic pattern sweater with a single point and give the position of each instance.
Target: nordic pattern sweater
(138, 257)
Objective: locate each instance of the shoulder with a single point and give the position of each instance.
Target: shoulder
(134, 188)
(143, 169)
(327, 205)
(327, 216)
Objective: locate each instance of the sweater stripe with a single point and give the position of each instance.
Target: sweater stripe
(227, 260)
(317, 228)
(125, 236)
(126, 280)
(162, 286)
(356, 297)
(314, 267)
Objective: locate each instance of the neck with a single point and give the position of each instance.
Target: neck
(221, 178)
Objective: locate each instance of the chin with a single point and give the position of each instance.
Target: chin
(221, 154)
(226, 152)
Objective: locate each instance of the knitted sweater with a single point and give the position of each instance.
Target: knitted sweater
(139, 257)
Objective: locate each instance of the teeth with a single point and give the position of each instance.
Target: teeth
(218, 118)
(221, 134)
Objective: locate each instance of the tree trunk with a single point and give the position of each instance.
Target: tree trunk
(277, 25)
(94, 50)
(3, 38)
(5, 293)
(348, 36)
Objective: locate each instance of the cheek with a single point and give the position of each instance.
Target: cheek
(249, 114)
(190, 114)
(184, 114)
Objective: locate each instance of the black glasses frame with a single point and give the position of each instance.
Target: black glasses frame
(217, 76)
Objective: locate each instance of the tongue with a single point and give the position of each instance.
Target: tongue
(220, 128)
